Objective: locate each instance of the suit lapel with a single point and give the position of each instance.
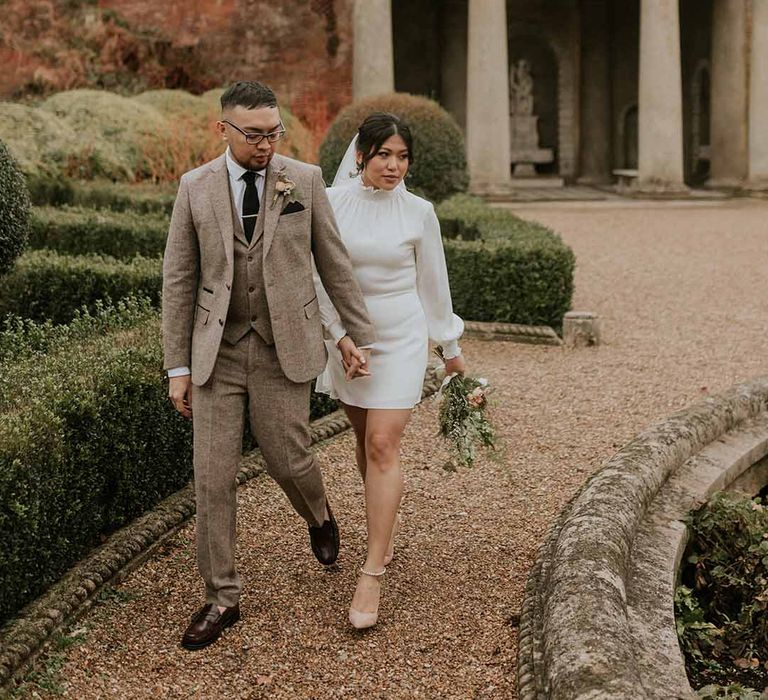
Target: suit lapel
(271, 214)
(221, 202)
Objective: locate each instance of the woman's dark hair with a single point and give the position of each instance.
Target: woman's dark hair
(376, 129)
(248, 94)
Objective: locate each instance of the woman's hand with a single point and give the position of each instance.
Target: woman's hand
(354, 361)
(455, 365)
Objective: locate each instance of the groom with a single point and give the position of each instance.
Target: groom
(242, 332)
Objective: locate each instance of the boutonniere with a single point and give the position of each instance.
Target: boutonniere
(284, 187)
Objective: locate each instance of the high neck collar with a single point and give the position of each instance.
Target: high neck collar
(374, 193)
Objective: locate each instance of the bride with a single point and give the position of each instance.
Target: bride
(393, 239)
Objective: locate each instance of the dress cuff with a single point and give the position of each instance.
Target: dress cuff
(336, 331)
(451, 349)
(178, 372)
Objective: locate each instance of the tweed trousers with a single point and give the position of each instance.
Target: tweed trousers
(247, 375)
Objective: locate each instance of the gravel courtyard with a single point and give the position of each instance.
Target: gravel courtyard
(680, 291)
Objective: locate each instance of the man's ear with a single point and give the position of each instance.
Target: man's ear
(221, 127)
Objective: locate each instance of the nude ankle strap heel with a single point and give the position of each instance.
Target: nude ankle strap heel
(364, 620)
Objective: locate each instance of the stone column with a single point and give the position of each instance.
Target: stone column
(373, 67)
(660, 103)
(488, 150)
(595, 146)
(758, 98)
(454, 59)
(728, 122)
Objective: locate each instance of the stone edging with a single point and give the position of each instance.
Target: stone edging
(25, 636)
(515, 332)
(574, 636)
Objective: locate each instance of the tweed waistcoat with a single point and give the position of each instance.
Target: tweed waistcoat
(248, 308)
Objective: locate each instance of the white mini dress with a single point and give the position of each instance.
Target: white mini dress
(393, 239)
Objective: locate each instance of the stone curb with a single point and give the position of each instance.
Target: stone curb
(515, 332)
(574, 636)
(25, 637)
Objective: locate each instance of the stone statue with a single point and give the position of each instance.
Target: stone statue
(521, 89)
(523, 123)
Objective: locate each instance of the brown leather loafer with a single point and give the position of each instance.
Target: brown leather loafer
(325, 539)
(207, 625)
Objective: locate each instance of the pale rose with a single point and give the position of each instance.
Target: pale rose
(476, 397)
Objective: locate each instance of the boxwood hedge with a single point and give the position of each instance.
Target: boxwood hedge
(87, 442)
(45, 189)
(78, 231)
(45, 285)
(14, 210)
(502, 268)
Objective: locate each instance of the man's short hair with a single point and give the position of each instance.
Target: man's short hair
(248, 94)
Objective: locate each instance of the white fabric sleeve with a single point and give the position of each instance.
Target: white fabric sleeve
(178, 372)
(329, 317)
(445, 327)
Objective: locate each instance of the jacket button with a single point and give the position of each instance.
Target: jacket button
(251, 289)
(253, 318)
(250, 258)
(221, 322)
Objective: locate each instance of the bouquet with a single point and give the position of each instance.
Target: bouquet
(462, 418)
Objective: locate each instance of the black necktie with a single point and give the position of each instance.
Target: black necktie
(250, 204)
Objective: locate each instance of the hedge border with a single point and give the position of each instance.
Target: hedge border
(24, 638)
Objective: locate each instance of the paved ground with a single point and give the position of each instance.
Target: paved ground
(681, 294)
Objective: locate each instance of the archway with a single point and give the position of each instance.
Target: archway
(525, 44)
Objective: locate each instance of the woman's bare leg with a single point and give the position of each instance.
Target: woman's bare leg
(358, 417)
(383, 491)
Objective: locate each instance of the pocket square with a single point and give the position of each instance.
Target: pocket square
(292, 208)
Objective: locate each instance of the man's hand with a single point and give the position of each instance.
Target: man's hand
(180, 393)
(354, 360)
(455, 365)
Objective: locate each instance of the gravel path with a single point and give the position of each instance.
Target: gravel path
(680, 293)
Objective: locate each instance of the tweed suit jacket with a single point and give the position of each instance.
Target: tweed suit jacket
(198, 269)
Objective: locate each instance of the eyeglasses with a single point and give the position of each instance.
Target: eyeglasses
(253, 139)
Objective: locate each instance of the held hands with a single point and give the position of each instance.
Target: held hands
(354, 360)
(180, 393)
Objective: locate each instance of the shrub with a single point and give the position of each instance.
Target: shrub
(102, 194)
(141, 198)
(54, 190)
(22, 337)
(40, 141)
(721, 605)
(440, 165)
(45, 285)
(190, 138)
(506, 269)
(87, 442)
(120, 136)
(14, 210)
(79, 231)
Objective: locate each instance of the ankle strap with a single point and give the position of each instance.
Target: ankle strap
(373, 573)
